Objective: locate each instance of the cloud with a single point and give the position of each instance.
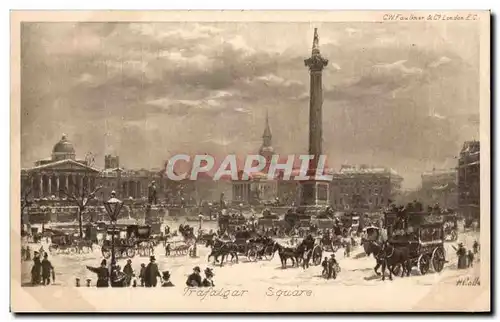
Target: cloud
(398, 66)
(441, 61)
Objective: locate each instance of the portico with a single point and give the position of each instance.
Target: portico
(58, 178)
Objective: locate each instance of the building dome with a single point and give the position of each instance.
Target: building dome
(63, 150)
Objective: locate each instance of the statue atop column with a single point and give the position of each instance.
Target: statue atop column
(152, 193)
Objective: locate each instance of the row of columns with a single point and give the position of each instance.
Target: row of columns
(51, 184)
(132, 189)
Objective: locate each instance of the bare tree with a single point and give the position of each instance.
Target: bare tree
(81, 197)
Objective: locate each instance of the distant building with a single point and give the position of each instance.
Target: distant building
(111, 161)
(60, 175)
(364, 188)
(440, 186)
(258, 187)
(469, 185)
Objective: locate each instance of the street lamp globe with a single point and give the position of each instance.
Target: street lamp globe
(113, 207)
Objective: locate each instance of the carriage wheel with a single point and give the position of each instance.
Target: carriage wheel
(317, 253)
(268, 253)
(72, 250)
(423, 264)
(106, 253)
(130, 252)
(438, 259)
(252, 255)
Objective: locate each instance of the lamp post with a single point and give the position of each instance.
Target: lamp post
(200, 218)
(113, 207)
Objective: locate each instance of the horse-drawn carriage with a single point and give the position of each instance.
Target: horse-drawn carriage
(246, 246)
(66, 243)
(129, 241)
(178, 246)
(422, 235)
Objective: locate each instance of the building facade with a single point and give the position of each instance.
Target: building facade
(439, 186)
(60, 176)
(469, 179)
(364, 188)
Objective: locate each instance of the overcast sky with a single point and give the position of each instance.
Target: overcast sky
(399, 95)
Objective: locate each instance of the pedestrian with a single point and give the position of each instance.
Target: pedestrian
(47, 270)
(470, 258)
(152, 273)
(166, 280)
(128, 271)
(461, 254)
(36, 269)
(102, 274)
(325, 267)
(142, 274)
(208, 280)
(331, 267)
(194, 279)
(475, 247)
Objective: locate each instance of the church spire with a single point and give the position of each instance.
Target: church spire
(267, 136)
(266, 148)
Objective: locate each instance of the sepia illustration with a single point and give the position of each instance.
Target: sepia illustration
(250, 162)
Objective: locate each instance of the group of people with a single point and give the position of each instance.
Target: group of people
(329, 266)
(466, 257)
(194, 279)
(116, 277)
(42, 271)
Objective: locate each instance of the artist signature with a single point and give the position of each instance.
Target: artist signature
(468, 281)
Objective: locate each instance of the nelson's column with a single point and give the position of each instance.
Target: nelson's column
(315, 192)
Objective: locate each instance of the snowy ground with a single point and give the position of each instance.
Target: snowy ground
(356, 270)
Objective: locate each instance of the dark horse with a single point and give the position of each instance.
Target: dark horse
(394, 257)
(374, 248)
(285, 253)
(220, 248)
(303, 252)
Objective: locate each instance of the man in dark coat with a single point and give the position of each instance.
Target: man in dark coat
(470, 258)
(102, 274)
(128, 271)
(331, 266)
(325, 267)
(194, 280)
(152, 272)
(462, 256)
(36, 269)
(475, 247)
(47, 269)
